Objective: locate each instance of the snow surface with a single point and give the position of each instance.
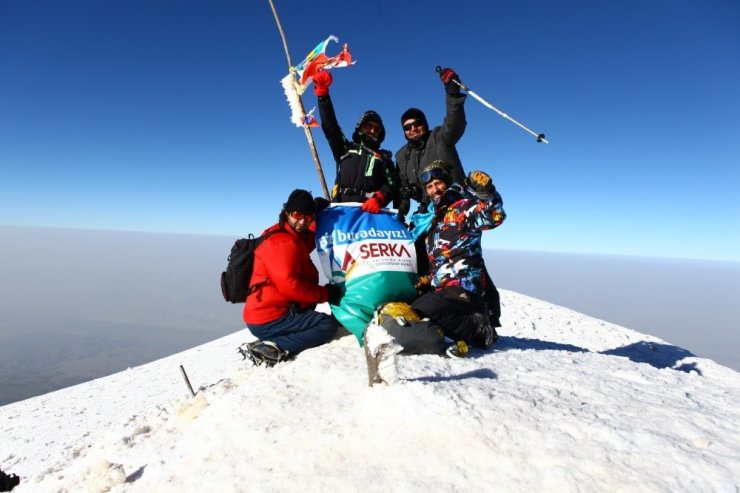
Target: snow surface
(564, 402)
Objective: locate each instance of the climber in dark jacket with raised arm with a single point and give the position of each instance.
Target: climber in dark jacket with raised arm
(425, 145)
(365, 173)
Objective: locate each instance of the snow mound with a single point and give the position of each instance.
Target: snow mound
(563, 402)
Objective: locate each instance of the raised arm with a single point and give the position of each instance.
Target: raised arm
(454, 123)
(329, 124)
(486, 207)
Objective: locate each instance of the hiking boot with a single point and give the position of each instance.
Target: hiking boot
(263, 352)
(485, 334)
(246, 351)
(457, 350)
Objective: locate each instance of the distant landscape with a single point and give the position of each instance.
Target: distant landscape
(689, 303)
(77, 305)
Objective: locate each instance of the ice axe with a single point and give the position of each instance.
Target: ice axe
(540, 137)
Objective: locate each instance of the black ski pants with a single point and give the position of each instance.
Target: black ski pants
(452, 309)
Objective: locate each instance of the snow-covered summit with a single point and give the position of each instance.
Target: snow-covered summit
(564, 402)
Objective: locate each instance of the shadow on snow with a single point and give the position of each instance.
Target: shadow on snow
(655, 354)
(481, 373)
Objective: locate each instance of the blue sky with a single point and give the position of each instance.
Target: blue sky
(168, 116)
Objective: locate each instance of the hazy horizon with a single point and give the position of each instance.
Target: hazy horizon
(80, 304)
(689, 303)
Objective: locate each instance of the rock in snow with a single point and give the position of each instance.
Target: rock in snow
(563, 402)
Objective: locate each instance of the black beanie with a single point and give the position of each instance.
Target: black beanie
(300, 201)
(416, 114)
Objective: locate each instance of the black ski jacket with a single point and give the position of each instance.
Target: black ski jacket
(360, 171)
(439, 144)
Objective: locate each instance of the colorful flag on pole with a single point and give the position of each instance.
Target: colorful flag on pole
(317, 59)
(309, 120)
(300, 77)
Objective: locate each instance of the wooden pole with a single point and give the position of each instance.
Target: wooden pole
(306, 129)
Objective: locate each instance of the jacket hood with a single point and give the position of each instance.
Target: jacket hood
(359, 137)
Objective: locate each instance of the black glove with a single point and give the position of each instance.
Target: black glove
(481, 184)
(402, 219)
(321, 203)
(449, 79)
(403, 209)
(410, 191)
(336, 292)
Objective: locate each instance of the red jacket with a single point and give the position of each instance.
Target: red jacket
(283, 263)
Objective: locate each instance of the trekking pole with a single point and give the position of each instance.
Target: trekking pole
(187, 380)
(540, 137)
(306, 129)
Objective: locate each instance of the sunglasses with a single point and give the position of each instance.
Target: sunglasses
(409, 126)
(433, 173)
(299, 215)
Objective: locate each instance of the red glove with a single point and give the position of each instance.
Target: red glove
(446, 75)
(321, 82)
(449, 79)
(374, 203)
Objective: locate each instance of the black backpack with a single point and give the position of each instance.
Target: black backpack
(235, 280)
